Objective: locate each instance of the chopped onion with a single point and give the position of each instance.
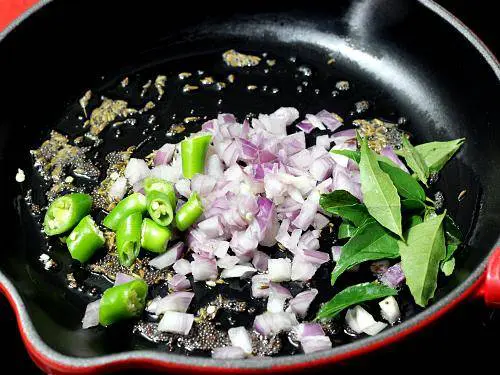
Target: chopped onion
(118, 188)
(239, 271)
(91, 317)
(302, 270)
(332, 121)
(260, 260)
(316, 122)
(274, 323)
(136, 170)
(375, 328)
(311, 344)
(168, 173)
(389, 309)
(315, 257)
(165, 154)
(360, 320)
(389, 153)
(228, 352)
(228, 261)
(168, 257)
(394, 276)
(204, 269)
(182, 267)
(323, 141)
(306, 126)
(183, 187)
(239, 337)
(301, 302)
(178, 301)
(308, 329)
(260, 286)
(320, 221)
(214, 166)
(321, 168)
(344, 136)
(176, 322)
(279, 269)
(179, 283)
(212, 227)
(336, 251)
(379, 267)
(308, 211)
(122, 278)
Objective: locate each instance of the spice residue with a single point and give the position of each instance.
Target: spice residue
(239, 60)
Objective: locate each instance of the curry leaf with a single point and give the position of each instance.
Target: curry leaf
(346, 230)
(413, 220)
(420, 257)
(354, 295)
(437, 154)
(345, 205)
(406, 185)
(413, 205)
(351, 154)
(452, 235)
(379, 193)
(371, 242)
(414, 161)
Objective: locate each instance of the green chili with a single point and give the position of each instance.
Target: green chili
(193, 153)
(159, 208)
(85, 239)
(65, 212)
(157, 184)
(189, 212)
(122, 302)
(135, 202)
(154, 237)
(128, 239)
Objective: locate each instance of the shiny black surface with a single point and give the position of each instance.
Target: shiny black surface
(461, 102)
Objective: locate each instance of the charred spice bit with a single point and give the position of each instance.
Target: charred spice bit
(188, 88)
(187, 120)
(207, 81)
(71, 281)
(176, 129)
(331, 61)
(20, 176)
(146, 87)
(251, 87)
(147, 107)
(342, 85)
(220, 86)
(239, 60)
(124, 82)
(109, 238)
(47, 262)
(160, 85)
(461, 196)
(379, 133)
(362, 106)
(204, 336)
(84, 101)
(230, 78)
(106, 113)
(184, 75)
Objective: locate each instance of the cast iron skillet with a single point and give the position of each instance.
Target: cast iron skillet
(411, 57)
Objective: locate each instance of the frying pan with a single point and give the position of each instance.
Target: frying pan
(408, 58)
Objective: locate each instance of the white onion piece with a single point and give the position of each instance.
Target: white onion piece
(118, 188)
(228, 352)
(316, 122)
(176, 322)
(239, 337)
(91, 316)
(320, 221)
(214, 166)
(260, 286)
(331, 120)
(308, 211)
(286, 114)
(165, 154)
(279, 269)
(182, 267)
(336, 251)
(136, 170)
(389, 309)
(311, 344)
(178, 301)
(358, 319)
(153, 304)
(301, 302)
(274, 323)
(323, 141)
(302, 270)
(122, 278)
(277, 296)
(204, 269)
(315, 257)
(183, 187)
(212, 227)
(228, 261)
(168, 173)
(238, 271)
(168, 257)
(179, 283)
(375, 328)
(203, 184)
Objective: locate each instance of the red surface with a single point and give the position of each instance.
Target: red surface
(10, 9)
(487, 286)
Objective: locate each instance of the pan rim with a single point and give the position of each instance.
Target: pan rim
(55, 359)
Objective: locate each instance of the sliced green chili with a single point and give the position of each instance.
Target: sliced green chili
(157, 184)
(122, 302)
(85, 239)
(65, 212)
(154, 237)
(135, 202)
(128, 239)
(189, 212)
(193, 153)
(160, 208)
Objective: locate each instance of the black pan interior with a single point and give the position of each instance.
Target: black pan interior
(406, 61)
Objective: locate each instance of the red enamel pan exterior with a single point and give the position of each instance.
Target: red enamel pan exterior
(484, 283)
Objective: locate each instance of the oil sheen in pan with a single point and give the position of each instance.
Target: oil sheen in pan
(197, 89)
